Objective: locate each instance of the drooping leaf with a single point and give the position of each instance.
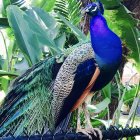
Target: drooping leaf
(123, 24)
(130, 94)
(107, 91)
(43, 29)
(47, 19)
(25, 37)
(106, 123)
(99, 107)
(111, 4)
(9, 74)
(136, 55)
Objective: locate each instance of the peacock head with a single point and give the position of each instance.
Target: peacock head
(94, 8)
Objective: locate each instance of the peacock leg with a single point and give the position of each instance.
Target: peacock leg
(86, 112)
(88, 127)
(79, 127)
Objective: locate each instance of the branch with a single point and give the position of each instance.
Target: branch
(111, 133)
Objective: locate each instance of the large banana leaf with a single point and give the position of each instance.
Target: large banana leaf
(33, 29)
(45, 28)
(111, 4)
(25, 37)
(122, 23)
(45, 5)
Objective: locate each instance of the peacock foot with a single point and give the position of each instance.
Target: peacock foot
(92, 133)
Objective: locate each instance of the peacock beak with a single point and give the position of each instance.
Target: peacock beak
(85, 10)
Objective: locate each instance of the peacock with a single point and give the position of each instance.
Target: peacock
(48, 92)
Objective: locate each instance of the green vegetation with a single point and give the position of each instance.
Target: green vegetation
(50, 27)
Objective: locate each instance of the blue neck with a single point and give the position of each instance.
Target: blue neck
(105, 43)
(98, 25)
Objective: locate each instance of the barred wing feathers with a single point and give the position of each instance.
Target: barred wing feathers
(72, 78)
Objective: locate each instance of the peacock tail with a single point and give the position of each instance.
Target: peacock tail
(27, 104)
(31, 104)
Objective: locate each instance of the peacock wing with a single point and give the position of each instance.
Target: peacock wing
(72, 79)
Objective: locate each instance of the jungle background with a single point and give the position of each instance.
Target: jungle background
(31, 30)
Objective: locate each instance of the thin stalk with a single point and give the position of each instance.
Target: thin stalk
(118, 85)
(118, 111)
(137, 94)
(116, 115)
(5, 46)
(132, 111)
(137, 91)
(108, 116)
(136, 40)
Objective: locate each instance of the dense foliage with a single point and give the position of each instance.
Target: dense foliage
(33, 31)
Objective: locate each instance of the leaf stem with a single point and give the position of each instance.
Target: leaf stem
(5, 46)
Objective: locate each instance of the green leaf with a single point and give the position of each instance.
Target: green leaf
(130, 94)
(47, 19)
(45, 5)
(106, 123)
(4, 23)
(25, 37)
(4, 83)
(75, 30)
(60, 41)
(123, 24)
(44, 34)
(70, 9)
(136, 55)
(107, 91)
(111, 4)
(48, 6)
(102, 114)
(99, 107)
(9, 74)
(1, 62)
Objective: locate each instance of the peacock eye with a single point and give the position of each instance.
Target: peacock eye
(93, 10)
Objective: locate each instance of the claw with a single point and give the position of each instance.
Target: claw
(90, 132)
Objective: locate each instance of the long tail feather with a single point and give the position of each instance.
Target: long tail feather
(27, 105)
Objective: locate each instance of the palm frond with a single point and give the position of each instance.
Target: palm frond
(70, 9)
